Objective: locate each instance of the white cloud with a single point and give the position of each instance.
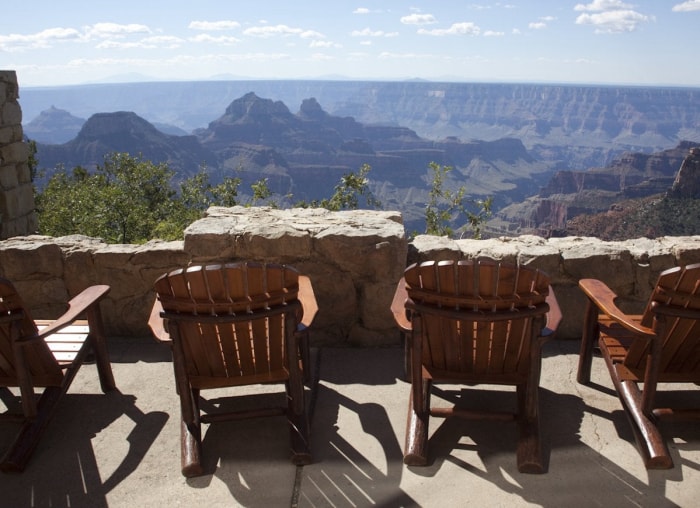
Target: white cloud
(603, 5)
(481, 7)
(361, 10)
(106, 30)
(418, 19)
(321, 57)
(283, 30)
(687, 6)
(40, 40)
(613, 21)
(324, 44)
(214, 25)
(541, 23)
(49, 37)
(112, 44)
(158, 41)
(225, 40)
(492, 33)
(456, 29)
(367, 32)
(311, 34)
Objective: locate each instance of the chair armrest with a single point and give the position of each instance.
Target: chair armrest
(604, 298)
(157, 324)
(554, 315)
(308, 301)
(77, 306)
(398, 307)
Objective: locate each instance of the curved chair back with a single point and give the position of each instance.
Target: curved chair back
(232, 320)
(477, 318)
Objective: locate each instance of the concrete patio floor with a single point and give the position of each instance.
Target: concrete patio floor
(123, 448)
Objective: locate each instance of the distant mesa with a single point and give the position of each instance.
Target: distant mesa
(105, 133)
(54, 126)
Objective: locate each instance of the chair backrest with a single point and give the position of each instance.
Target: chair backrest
(232, 320)
(676, 297)
(16, 323)
(477, 317)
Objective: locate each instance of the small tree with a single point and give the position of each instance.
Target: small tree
(261, 191)
(122, 202)
(446, 207)
(127, 200)
(347, 193)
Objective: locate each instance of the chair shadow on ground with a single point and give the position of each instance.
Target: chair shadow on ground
(64, 470)
(241, 453)
(487, 451)
(250, 456)
(344, 474)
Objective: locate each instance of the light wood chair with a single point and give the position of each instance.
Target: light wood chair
(662, 345)
(48, 355)
(475, 322)
(230, 325)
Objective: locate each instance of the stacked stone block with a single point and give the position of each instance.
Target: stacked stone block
(17, 213)
(353, 258)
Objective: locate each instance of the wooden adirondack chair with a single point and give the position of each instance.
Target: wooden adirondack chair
(660, 346)
(45, 354)
(475, 322)
(234, 325)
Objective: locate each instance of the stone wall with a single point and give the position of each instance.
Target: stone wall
(17, 215)
(354, 260)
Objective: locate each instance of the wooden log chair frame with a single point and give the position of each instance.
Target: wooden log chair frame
(234, 324)
(475, 322)
(46, 354)
(662, 345)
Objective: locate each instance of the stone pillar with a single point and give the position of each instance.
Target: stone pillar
(17, 210)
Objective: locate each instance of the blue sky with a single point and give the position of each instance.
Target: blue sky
(651, 42)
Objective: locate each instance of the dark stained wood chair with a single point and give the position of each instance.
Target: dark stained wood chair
(475, 322)
(231, 325)
(662, 345)
(45, 354)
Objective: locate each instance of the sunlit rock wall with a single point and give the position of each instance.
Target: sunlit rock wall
(354, 260)
(17, 216)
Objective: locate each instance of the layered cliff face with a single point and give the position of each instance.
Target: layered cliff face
(568, 126)
(305, 154)
(318, 148)
(596, 202)
(687, 181)
(606, 119)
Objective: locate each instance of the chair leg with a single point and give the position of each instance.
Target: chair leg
(305, 353)
(651, 444)
(298, 422)
(416, 446)
(529, 454)
(588, 340)
(31, 431)
(99, 346)
(407, 361)
(191, 447)
(191, 437)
